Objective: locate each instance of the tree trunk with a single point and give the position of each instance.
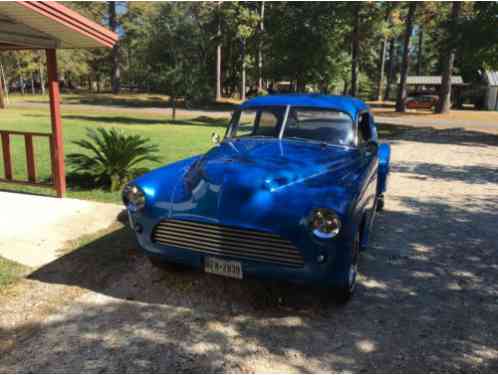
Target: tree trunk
(346, 88)
(401, 101)
(390, 68)
(42, 78)
(382, 64)
(444, 103)
(300, 84)
(218, 57)
(21, 81)
(419, 51)
(243, 83)
(355, 50)
(5, 85)
(115, 69)
(260, 46)
(33, 88)
(173, 107)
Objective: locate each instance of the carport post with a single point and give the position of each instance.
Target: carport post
(57, 144)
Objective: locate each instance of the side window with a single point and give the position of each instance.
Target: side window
(247, 120)
(267, 124)
(257, 122)
(364, 131)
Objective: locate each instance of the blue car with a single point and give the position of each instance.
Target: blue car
(290, 193)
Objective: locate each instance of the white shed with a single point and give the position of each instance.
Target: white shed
(491, 99)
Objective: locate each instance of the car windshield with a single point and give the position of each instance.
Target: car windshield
(323, 125)
(317, 124)
(254, 122)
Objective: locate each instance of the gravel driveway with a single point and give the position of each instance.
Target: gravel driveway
(427, 299)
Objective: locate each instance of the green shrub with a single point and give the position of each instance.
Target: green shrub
(112, 157)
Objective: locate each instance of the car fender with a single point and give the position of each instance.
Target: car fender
(163, 180)
(384, 155)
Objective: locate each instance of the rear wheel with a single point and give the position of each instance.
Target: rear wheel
(344, 293)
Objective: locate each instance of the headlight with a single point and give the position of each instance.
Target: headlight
(324, 223)
(133, 197)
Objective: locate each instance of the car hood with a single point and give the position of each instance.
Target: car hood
(268, 181)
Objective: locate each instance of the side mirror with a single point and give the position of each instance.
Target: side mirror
(215, 138)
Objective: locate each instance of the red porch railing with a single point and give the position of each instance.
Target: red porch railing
(30, 158)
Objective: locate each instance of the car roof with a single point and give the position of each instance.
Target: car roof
(346, 104)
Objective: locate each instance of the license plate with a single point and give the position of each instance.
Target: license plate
(221, 267)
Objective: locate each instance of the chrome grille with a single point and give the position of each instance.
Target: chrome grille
(216, 239)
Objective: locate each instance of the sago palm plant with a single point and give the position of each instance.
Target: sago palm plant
(112, 157)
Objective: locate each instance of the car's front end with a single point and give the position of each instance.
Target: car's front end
(227, 214)
(287, 195)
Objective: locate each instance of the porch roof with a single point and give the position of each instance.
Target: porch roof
(48, 24)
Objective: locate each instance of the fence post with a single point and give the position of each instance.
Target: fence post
(30, 157)
(7, 158)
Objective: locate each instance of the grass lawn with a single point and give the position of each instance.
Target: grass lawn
(10, 272)
(125, 100)
(185, 137)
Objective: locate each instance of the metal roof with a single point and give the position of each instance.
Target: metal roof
(48, 24)
(431, 80)
(491, 77)
(346, 104)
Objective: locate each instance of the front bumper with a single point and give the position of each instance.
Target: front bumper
(329, 272)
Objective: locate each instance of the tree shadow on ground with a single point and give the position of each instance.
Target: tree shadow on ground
(205, 121)
(151, 102)
(470, 174)
(428, 134)
(139, 102)
(426, 302)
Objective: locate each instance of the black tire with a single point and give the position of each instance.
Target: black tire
(344, 294)
(380, 203)
(164, 265)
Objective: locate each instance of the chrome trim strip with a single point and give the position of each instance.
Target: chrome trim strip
(227, 250)
(220, 240)
(236, 240)
(222, 228)
(284, 122)
(207, 250)
(216, 231)
(227, 244)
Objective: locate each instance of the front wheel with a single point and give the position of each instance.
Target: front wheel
(380, 203)
(343, 294)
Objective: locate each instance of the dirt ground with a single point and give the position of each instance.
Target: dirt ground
(427, 300)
